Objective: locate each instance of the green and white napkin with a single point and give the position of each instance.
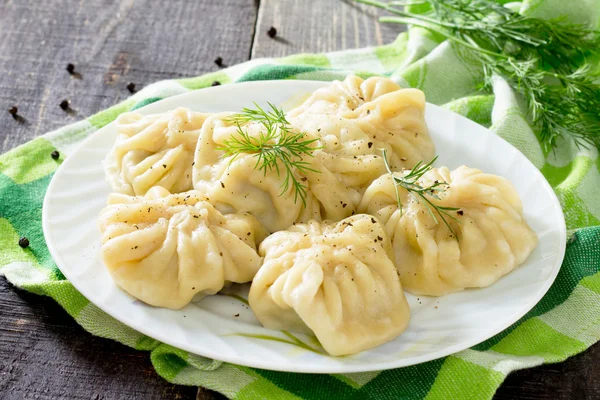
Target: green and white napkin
(564, 323)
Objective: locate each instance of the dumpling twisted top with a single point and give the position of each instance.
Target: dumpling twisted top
(154, 150)
(493, 236)
(334, 279)
(354, 120)
(166, 248)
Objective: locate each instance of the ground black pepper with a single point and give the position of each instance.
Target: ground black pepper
(24, 242)
(70, 68)
(460, 212)
(65, 104)
(219, 61)
(55, 154)
(131, 87)
(370, 144)
(272, 32)
(216, 83)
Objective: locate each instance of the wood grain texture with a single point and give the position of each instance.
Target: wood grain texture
(44, 354)
(111, 43)
(308, 26)
(577, 378)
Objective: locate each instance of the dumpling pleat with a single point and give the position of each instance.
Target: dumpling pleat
(166, 249)
(492, 236)
(334, 279)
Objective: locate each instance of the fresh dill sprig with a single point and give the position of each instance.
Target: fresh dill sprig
(410, 182)
(276, 148)
(543, 60)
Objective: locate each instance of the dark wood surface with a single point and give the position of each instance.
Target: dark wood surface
(44, 354)
(304, 28)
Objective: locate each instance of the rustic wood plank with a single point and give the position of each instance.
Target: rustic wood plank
(306, 26)
(111, 43)
(576, 378)
(44, 354)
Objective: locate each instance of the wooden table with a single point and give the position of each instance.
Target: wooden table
(44, 354)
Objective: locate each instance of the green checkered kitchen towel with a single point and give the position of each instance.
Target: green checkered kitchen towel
(564, 323)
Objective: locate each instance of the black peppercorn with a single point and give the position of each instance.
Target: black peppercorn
(215, 83)
(70, 68)
(272, 32)
(13, 111)
(55, 154)
(65, 104)
(24, 242)
(131, 87)
(219, 61)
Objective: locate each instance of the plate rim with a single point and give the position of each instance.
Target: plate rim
(267, 365)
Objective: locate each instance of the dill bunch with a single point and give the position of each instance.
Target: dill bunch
(545, 61)
(277, 148)
(409, 181)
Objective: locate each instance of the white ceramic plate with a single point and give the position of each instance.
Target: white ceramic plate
(212, 327)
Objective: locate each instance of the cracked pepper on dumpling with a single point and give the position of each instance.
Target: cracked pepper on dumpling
(154, 150)
(165, 249)
(336, 280)
(493, 237)
(355, 119)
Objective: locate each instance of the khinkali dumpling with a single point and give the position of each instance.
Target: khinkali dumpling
(354, 120)
(237, 184)
(493, 236)
(164, 249)
(154, 150)
(334, 279)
